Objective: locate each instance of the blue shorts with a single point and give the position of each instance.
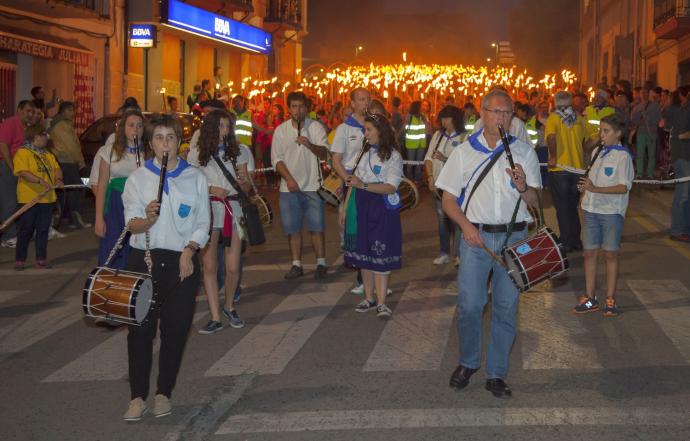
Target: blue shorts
(294, 207)
(602, 231)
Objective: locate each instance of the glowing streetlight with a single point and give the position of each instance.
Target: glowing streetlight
(358, 49)
(404, 57)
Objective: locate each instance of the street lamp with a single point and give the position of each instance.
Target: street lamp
(358, 49)
(495, 46)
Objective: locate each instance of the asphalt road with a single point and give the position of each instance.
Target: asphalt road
(307, 367)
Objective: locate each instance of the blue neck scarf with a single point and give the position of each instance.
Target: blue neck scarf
(181, 166)
(607, 149)
(474, 142)
(352, 122)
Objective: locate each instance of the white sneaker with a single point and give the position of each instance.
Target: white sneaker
(12, 243)
(137, 408)
(161, 406)
(55, 234)
(358, 290)
(442, 259)
(384, 312)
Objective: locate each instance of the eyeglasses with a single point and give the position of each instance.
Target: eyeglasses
(499, 112)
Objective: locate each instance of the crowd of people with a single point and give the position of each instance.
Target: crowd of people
(483, 201)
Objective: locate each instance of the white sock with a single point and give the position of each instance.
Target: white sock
(321, 261)
(297, 263)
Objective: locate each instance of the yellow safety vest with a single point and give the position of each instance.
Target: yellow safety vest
(243, 128)
(594, 116)
(415, 134)
(532, 132)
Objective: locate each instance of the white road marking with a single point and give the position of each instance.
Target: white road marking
(457, 417)
(668, 301)
(270, 345)
(415, 339)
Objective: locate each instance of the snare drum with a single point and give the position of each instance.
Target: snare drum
(331, 189)
(264, 207)
(535, 259)
(117, 295)
(409, 195)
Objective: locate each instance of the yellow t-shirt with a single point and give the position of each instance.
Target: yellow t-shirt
(569, 141)
(45, 168)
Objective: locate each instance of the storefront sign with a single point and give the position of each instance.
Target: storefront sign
(40, 49)
(142, 35)
(207, 24)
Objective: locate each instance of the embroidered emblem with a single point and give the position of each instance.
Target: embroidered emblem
(378, 247)
(455, 143)
(184, 210)
(377, 169)
(608, 171)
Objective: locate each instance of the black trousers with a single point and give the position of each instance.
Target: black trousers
(71, 199)
(566, 198)
(174, 308)
(35, 220)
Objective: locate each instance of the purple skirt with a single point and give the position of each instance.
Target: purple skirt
(114, 224)
(378, 242)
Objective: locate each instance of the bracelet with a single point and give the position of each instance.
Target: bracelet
(192, 247)
(365, 186)
(523, 191)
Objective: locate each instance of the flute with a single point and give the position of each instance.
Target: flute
(136, 145)
(161, 182)
(600, 146)
(506, 147)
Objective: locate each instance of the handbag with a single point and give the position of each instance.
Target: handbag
(251, 220)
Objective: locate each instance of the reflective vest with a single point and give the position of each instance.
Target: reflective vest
(243, 128)
(532, 132)
(594, 116)
(415, 134)
(469, 123)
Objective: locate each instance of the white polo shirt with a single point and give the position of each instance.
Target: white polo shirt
(185, 214)
(447, 144)
(302, 164)
(612, 167)
(495, 198)
(348, 141)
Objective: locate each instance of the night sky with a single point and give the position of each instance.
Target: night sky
(440, 31)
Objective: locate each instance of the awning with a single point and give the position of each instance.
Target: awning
(44, 46)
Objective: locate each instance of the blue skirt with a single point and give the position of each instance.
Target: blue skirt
(378, 242)
(114, 224)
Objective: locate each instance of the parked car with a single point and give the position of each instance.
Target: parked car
(94, 137)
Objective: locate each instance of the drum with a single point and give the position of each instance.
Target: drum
(331, 189)
(117, 295)
(409, 195)
(535, 259)
(264, 207)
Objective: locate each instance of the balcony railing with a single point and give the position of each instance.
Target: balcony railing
(665, 10)
(287, 12)
(101, 7)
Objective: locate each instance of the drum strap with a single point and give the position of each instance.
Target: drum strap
(118, 245)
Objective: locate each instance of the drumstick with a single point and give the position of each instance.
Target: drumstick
(24, 209)
(493, 255)
(161, 182)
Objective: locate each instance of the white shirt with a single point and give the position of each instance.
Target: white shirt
(445, 147)
(348, 141)
(373, 170)
(120, 168)
(613, 169)
(184, 216)
(495, 198)
(95, 167)
(302, 164)
(517, 129)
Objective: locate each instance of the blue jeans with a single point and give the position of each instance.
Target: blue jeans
(8, 200)
(414, 172)
(445, 227)
(566, 198)
(294, 207)
(602, 231)
(473, 274)
(680, 210)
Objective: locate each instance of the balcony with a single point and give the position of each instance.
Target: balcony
(224, 7)
(285, 14)
(671, 18)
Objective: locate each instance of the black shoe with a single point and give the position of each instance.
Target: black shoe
(321, 272)
(295, 272)
(498, 387)
(461, 377)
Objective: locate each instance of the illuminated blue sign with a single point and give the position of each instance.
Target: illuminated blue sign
(207, 24)
(141, 35)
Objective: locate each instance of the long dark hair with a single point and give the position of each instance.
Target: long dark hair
(456, 114)
(416, 109)
(210, 135)
(387, 142)
(120, 138)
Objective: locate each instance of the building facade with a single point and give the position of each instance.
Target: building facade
(641, 41)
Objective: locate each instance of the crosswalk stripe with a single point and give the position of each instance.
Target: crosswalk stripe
(416, 337)
(270, 345)
(452, 417)
(17, 336)
(107, 361)
(6, 296)
(668, 302)
(551, 336)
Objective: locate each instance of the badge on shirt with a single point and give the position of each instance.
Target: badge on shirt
(608, 171)
(377, 169)
(455, 143)
(184, 210)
